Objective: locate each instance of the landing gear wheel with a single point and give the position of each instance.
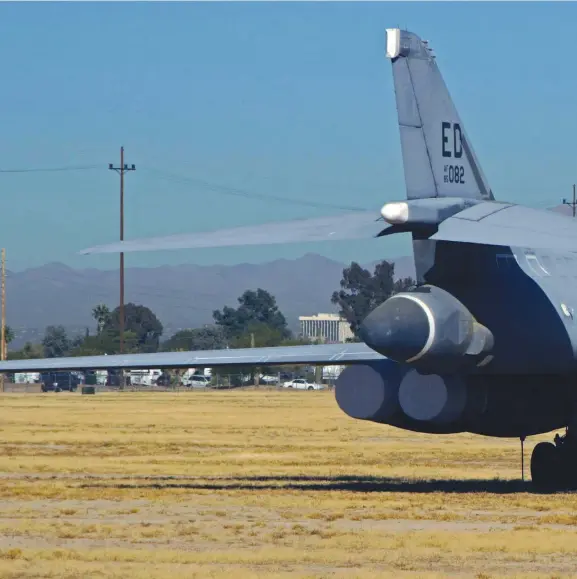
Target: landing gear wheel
(545, 467)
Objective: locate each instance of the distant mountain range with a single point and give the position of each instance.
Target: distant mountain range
(182, 296)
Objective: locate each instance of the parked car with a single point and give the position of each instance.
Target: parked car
(197, 381)
(302, 384)
(146, 377)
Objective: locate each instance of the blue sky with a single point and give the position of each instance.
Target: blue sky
(288, 99)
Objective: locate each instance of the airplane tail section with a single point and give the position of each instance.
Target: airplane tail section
(438, 157)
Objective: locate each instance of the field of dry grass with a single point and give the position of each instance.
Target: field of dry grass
(262, 484)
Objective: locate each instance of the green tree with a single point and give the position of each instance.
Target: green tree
(207, 338)
(361, 292)
(258, 335)
(101, 313)
(28, 352)
(107, 342)
(55, 342)
(8, 334)
(254, 307)
(139, 320)
(90, 346)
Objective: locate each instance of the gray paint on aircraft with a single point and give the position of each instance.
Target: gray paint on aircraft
(322, 353)
(354, 225)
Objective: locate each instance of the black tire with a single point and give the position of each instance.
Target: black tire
(310, 388)
(545, 467)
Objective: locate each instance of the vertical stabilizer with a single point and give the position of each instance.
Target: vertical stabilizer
(438, 157)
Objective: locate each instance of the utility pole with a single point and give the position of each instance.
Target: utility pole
(3, 323)
(123, 168)
(256, 376)
(573, 204)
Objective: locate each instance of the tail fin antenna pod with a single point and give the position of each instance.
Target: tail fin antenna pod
(438, 158)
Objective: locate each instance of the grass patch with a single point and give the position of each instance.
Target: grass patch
(261, 484)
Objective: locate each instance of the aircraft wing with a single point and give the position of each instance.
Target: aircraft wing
(353, 225)
(316, 354)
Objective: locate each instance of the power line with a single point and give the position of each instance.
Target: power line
(216, 187)
(234, 191)
(52, 169)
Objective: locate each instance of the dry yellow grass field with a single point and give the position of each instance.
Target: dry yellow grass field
(262, 484)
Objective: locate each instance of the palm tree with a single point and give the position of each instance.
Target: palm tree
(101, 314)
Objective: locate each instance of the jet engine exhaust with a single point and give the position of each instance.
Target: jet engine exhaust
(440, 399)
(388, 393)
(369, 391)
(427, 328)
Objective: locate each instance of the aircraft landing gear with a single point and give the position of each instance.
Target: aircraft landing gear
(554, 464)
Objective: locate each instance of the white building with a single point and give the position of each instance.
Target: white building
(329, 328)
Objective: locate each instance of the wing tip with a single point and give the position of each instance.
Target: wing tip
(91, 250)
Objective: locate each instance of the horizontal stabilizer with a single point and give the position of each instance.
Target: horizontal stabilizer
(510, 225)
(458, 220)
(275, 356)
(356, 225)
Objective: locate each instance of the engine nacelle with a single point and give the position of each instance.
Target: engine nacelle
(427, 328)
(491, 405)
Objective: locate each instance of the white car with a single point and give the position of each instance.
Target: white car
(196, 381)
(302, 384)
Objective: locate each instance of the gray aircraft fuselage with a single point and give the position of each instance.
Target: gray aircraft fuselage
(526, 297)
